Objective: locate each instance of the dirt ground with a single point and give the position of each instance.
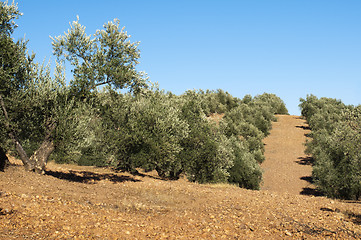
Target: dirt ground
(73, 202)
(287, 169)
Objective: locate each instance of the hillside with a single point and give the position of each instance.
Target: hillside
(73, 202)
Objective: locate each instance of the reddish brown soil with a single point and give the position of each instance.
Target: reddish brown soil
(287, 169)
(72, 202)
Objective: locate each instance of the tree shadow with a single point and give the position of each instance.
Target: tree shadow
(137, 172)
(354, 217)
(352, 201)
(307, 179)
(304, 127)
(325, 209)
(311, 192)
(305, 161)
(299, 117)
(89, 177)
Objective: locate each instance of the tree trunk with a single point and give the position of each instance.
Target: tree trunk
(38, 160)
(41, 155)
(11, 132)
(4, 161)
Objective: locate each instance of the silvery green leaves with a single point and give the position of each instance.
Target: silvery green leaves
(335, 146)
(8, 13)
(104, 58)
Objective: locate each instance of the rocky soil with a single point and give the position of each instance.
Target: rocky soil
(73, 202)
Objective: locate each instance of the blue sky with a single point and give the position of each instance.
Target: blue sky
(288, 47)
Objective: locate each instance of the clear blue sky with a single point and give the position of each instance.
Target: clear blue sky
(288, 47)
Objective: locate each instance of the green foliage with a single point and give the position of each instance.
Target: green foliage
(172, 135)
(8, 13)
(15, 70)
(218, 101)
(43, 103)
(79, 136)
(246, 172)
(144, 131)
(107, 58)
(335, 146)
(206, 153)
(15, 63)
(274, 102)
(249, 134)
(248, 122)
(252, 114)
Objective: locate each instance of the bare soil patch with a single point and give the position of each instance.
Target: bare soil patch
(287, 169)
(77, 202)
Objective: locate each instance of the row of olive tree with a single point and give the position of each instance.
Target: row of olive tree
(43, 116)
(171, 134)
(335, 146)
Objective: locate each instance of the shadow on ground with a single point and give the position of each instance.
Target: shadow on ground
(304, 127)
(354, 217)
(308, 179)
(305, 161)
(308, 134)
(310, 191)
(89, 177)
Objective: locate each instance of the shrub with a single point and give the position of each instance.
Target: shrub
(146, 132)
(274, 102)
(206, 152)
(236, 124)
(335, 146)
(337, 169)
(218, 101)
(246, 172)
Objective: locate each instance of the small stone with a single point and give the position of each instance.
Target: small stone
(288, 233)
(67, 228)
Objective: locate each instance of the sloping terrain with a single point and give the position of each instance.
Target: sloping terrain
(73, 202)
(287, 169)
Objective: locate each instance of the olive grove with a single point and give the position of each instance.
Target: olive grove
(89, 121)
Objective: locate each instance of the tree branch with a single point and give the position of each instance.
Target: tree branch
(99, 84)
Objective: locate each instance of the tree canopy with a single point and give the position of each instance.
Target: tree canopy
(106, 57)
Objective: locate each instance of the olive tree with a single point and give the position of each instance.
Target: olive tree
(104, 58)
(35, 105)
(334, 145)
(15, 69)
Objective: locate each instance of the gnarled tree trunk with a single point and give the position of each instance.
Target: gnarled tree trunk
(23, 156)
(41, 155)
(38, 160)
